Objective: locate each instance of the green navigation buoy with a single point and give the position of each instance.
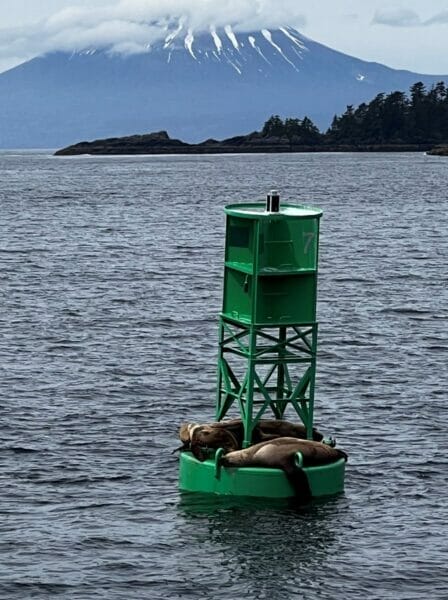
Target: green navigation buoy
(267, 343)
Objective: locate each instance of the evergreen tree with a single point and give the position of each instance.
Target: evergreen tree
(274, 126)
(418, 118)
(437, 108)
(302, 132)
(371, 125)
(418, 115)
(394, 118)
(310, 133)
(346, 127)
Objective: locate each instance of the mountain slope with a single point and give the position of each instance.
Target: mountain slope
(212, 85)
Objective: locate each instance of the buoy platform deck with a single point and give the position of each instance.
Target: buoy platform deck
(209, 477)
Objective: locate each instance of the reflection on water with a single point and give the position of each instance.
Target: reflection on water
(266, 545)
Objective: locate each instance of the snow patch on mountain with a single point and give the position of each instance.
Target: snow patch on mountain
(296, 41)
(189, 39)
(267, 35)
(216, 39)
(232, 37)
(253, 43)
(170, 37)
(240, 51)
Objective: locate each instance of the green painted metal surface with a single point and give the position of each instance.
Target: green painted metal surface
(267, 344)
(271, 264)
(268, 327)
(204, 477)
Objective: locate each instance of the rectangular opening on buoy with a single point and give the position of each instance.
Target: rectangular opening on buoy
(273, 202)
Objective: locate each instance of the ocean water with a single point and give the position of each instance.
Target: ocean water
(110, 283)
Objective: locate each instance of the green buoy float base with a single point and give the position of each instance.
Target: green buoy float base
(209, 478)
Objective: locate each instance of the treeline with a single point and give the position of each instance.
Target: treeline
(421, 117)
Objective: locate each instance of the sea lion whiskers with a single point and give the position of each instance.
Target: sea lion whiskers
(184, 446)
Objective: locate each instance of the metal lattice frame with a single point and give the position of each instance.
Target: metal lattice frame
(261, 368)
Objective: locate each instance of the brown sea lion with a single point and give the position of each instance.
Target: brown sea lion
(280, 453)
(184, 432)
(269, 453)
(273, 428)
(203, 437)
(211, 435)
(184, 436)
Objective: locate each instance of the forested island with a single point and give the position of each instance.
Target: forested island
(417, 121)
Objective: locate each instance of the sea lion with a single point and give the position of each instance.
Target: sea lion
(274, 428)
(184, 432)
(184, 436)
(210, 435)
(267, 453)
(205, 434)
(280, 453)
(203, 437)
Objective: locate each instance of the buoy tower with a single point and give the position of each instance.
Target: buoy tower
(267, 341)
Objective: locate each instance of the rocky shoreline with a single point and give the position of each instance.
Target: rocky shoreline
(161, 143)
(438, 151)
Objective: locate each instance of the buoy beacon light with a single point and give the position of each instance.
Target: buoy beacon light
(267, 344)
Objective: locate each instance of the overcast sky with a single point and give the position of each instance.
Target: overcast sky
(411, 34)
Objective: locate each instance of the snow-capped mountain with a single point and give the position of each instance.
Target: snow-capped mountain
(241, 52)
(216, 84)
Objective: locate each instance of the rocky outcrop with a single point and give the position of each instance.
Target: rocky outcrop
(438, 151)
(152, 143)
(160, 143)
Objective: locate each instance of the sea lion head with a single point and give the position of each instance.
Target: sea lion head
(205, 436)
(185, 432)
(185, 436)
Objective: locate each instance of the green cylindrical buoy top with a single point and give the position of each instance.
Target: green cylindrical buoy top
(271, 263)
(257, 210)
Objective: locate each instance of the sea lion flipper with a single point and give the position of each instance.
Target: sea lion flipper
(299, 482)
(198, 453)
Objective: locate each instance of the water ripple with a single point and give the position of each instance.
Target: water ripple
(111, 280)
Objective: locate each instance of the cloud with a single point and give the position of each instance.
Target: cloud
(407, 18)
(397, 18)
(439, 19)
(129, 26)
(244, 15)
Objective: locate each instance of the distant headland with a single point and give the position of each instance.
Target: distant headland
(253, 143)
(389, 123)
